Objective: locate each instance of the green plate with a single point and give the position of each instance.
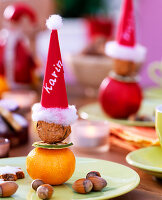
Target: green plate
(153, 92)
(121, 180)
(94, 111)
(148, 159)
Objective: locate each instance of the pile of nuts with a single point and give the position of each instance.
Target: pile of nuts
(44, 191)
(93, 181)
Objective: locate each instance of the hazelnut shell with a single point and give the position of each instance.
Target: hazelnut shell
(98, 183)
(93, 173)
(8, 188)
(82, 186)
(36, 183)
(45, 191)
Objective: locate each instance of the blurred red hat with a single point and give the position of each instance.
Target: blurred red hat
(17, 11)
(125, 47)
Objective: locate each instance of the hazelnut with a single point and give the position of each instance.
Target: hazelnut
(98, 183)
(45, 191)
(93, 173)
(7, 188)
(82, 186)
(36, 183)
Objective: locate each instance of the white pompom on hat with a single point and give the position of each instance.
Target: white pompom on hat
(54, 22)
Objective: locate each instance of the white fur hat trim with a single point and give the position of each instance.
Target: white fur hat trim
(54, 115)
(135, 54)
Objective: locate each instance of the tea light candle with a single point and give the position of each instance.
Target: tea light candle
(4, 147)
(90, 134)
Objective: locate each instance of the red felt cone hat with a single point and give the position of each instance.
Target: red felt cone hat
(17, 11)
(125, 46)
(126, 28)
(54, 90)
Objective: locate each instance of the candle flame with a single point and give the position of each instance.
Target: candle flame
(91, 131)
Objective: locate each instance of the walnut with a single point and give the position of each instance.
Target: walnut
(51, 132)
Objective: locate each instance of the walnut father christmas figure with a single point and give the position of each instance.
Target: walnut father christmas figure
(51, 160)
(53, 115)
(120, 95)
(126, 53)
(16, 62)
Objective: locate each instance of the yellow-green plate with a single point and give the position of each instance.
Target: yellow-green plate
(153, 92)
(120, 178)
(148, 159)
(94, 111)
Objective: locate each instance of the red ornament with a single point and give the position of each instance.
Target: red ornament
(119, 99)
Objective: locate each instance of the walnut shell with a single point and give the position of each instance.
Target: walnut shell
(124, 67)
(51, 132)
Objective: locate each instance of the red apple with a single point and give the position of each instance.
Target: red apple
(119, 99)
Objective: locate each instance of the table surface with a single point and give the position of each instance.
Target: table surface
(148, 189)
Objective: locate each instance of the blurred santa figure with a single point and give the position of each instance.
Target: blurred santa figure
(17, 64)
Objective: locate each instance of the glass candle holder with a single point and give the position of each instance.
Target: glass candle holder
(4, 147)
(90, 135)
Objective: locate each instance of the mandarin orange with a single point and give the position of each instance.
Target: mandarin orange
(53, 166)
(3, 85)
